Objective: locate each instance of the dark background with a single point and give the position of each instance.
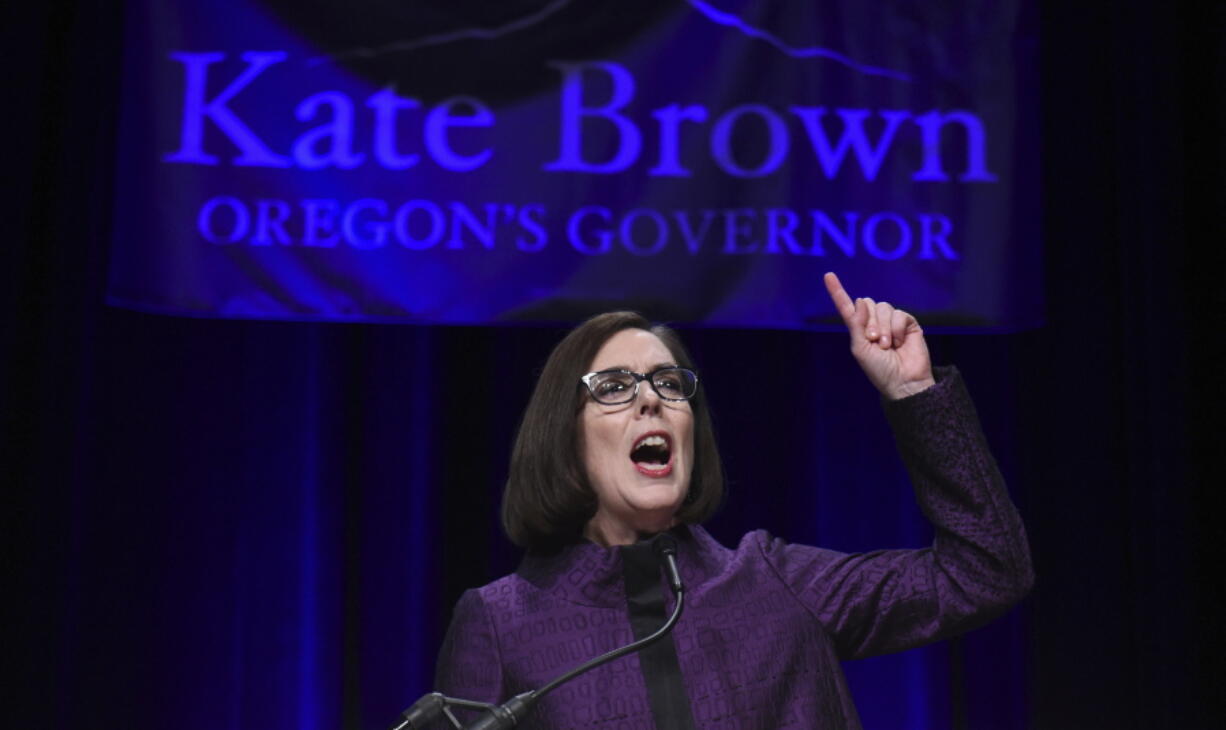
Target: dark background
(193, 501)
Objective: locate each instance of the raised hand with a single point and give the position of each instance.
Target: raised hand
(887, 342)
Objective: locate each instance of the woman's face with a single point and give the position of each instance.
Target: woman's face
(638, 455)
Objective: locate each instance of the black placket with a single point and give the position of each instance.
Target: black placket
(670, 705)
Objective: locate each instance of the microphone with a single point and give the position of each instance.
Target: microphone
(511, 712)
(421, 713)
(508, 714)
(665, 547)
(427, 709)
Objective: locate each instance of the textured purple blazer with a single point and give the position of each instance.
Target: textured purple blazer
(765, 624)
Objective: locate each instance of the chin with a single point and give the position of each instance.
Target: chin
(659, 498)
(649, 525)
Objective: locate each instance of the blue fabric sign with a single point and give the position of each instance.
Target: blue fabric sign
(704, 161)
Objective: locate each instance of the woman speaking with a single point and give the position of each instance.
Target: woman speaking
(616, 448)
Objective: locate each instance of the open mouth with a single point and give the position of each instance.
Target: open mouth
(652, 454)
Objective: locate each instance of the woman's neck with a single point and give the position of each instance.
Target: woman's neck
(611, 533)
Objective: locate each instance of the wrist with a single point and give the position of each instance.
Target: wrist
(910, 388)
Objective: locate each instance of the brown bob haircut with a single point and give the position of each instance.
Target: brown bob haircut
(548, 499)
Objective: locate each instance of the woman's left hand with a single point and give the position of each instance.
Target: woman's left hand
(887, 342)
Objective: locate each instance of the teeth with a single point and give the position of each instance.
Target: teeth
(653, 441)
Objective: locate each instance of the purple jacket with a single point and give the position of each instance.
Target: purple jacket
(765, 624)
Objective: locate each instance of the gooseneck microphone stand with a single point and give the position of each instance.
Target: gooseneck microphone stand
(510, 713)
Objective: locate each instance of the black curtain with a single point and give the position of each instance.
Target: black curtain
(154, 464)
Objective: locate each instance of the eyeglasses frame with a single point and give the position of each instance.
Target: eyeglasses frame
(639, 378)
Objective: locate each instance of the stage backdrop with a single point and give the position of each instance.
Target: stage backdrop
(704, 161)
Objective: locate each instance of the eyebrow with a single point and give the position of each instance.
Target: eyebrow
(651, 369)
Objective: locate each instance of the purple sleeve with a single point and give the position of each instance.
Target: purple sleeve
(469, 663)
(977, 567)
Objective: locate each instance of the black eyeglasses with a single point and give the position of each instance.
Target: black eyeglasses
(614, 387)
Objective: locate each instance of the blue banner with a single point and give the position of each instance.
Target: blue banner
(703, 161)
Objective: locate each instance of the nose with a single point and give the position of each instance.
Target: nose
(648, 400)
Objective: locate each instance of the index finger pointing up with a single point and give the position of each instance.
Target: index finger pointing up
(842, 302)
